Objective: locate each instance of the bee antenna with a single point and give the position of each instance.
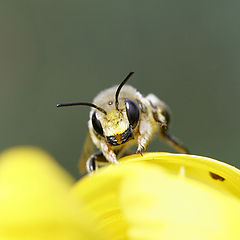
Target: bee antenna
(83, 104)
(120, 87)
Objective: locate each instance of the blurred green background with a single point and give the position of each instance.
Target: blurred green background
(186, 52)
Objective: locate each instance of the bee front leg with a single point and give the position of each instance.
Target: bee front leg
(91, 164)
(95, 161)
(145, 134)
(108, 152)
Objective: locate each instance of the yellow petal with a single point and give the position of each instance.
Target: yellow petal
(34, 199)
(165, 196)
(218, 174)
(159, 205)
(100, 194)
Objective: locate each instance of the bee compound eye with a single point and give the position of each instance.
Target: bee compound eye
(132, 112)
(97, 124)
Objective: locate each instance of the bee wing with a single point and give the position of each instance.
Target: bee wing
(87, 151)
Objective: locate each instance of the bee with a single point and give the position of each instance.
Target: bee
(121, 117)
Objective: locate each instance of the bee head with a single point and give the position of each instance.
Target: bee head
(117, 120)
(121, 118)
(118, 124)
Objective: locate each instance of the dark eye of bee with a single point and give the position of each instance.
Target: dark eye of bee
(132, 112)
(96, 124)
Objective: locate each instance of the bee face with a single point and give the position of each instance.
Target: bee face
(118, 124)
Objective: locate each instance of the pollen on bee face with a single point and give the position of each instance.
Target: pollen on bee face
(116, 123)
(114, 117)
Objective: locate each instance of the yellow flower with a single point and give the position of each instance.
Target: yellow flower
(165, 196)
(154, 196)
(35, 202)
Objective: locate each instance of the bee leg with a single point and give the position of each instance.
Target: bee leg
(145, 133)
(94, 161)
(91, 164)
(171, 140)
(161, 115)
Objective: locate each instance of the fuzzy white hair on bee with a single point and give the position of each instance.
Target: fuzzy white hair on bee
(121, 117)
